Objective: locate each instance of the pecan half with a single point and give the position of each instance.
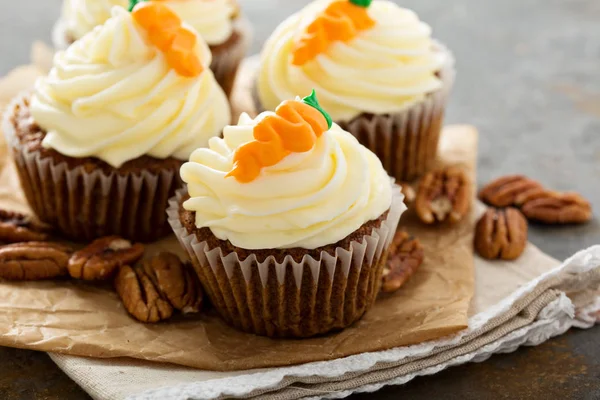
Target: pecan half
(558, 208)
(409, 192)
(33, 260)
(444, 195)
(16, 227)
(176, 281)
(406, 255)
(100, 259)
(140, 297)
(509, 191)
(501, 234)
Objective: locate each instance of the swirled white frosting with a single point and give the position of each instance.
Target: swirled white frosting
(81, 16)
(308, 200)
(384, 69)
(112, 95)
(211, 18)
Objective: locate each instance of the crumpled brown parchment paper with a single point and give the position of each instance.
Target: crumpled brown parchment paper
(80, 319)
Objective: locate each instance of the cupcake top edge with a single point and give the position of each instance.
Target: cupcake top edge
(140, 84)
(362, 57)
(286, 179)
(82, 16)
(213, 19)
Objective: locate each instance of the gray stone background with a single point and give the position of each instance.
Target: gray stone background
(529, 80)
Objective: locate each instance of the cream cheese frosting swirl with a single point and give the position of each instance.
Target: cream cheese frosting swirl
(112, 95)
(307, 200)
(212, 19)
(385, 69)
(81, 16)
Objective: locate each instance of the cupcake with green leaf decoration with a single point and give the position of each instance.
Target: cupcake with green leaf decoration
(287, 219)
(377, 70)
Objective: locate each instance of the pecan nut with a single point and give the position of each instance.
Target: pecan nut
(406, 255)
(444, 195)
(558, 208)
(33, 261)
(152, 291)
(100, 259)
(176, 281)
(509, 190)
(16, 227)
(501, 234)
(408, 191)
(140, 297)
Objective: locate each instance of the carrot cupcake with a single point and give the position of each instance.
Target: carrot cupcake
(219, 22)
(99, 143)
(287, 220)
(377, 70)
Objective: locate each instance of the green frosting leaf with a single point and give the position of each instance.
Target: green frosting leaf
(313, 102)
(133, 3)
(361, 3)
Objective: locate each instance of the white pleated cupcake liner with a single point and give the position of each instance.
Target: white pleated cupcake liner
(84, 205)
(406, 142)
(287, 298)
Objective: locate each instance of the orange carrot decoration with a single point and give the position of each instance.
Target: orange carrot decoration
(294, 128)
(340, 21)
(166, 32)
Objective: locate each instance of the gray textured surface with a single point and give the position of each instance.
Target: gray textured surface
(529, 79)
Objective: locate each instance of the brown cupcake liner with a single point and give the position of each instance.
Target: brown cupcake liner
(289, 298)
(407, 142)
(84, 205)
(225, 61)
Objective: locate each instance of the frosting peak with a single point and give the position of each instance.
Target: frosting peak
(213, 19)
(340, 21)
(308, 199)
(113, 95)
(383, 69)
